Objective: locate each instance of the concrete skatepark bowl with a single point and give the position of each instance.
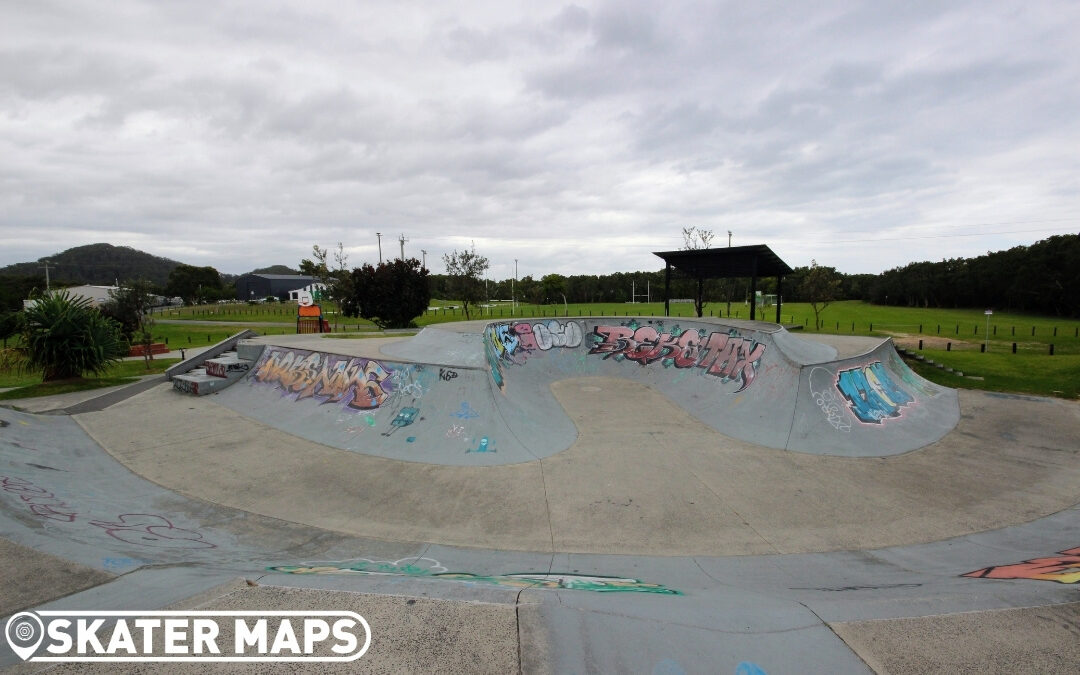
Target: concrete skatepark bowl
(571, 495)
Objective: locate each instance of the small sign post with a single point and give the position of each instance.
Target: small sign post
(986, 338)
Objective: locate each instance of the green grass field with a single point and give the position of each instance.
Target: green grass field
(29, 385)
(954, 337)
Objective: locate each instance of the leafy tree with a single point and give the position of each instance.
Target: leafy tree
(466, 270)
(130, 306)
(64, 337)
(554, 287)
(820, 286)
(10, 324)
(193, 284)
(390, 295)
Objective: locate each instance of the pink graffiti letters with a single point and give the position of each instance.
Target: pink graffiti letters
(360, 382)
(728, 356)
(40, 501)
(513, 343)
(142, 529)
(147, 529)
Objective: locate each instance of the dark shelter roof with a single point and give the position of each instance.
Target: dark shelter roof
(725, 263)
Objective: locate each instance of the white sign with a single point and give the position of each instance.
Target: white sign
(305, 298)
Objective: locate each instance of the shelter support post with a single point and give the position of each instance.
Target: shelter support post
(753, 291)
(779, 295)
(667, 289)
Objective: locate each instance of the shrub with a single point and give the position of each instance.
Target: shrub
(64, 337)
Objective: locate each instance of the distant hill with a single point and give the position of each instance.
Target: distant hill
(100, 264)
(275, 269)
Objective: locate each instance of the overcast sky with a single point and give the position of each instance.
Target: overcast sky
(576, 138)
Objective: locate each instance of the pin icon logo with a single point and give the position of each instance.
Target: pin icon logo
(24, 632)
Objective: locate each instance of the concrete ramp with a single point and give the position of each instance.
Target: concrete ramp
(481, 394)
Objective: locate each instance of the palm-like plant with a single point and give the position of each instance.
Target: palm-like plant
(64, 337)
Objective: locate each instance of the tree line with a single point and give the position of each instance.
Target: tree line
(1043, 278)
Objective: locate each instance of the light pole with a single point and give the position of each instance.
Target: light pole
(729, 238)
(513, 290)
(379, 235)
(986, 338)
(424, 253)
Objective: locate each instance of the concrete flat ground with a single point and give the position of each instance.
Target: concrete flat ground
(641, 479)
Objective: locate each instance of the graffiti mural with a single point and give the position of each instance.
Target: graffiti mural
(825, 397)
(726, 355)
(1064, 568)
(512, 343)
(223, 369)
(914, 383)
(871, 393)
(431, 568)
(361, 384)
(185, 386)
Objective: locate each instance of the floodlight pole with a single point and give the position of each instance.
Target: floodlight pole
(729, 238)
(379, 235)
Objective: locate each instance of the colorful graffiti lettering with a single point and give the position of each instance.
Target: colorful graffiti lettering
(38, 500)
(915, 383)
(513, 342)
(147, 529)
(549, 334)
(825, 397)
(361, 383)
(1064, 568)
(871, 393)
(728, 356)
(430, 568)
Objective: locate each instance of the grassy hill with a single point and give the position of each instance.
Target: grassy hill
(102, 264)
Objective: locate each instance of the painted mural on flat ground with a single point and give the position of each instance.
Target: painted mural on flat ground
(1064, 568)
(433, 569)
